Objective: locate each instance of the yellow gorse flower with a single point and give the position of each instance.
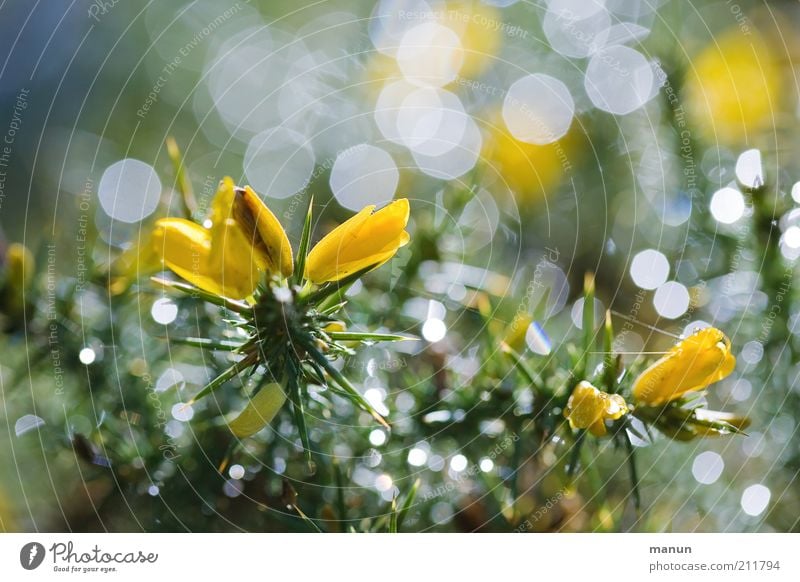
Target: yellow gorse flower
(368, 239)
(515, 335)
(243, 241)
(589, 408)
(692, 364)
(734, 87)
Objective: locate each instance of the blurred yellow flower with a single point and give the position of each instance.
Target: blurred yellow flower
(366, 240)
(259, 412)
(733, 87)
(20, 266)
(7, 522)
(15, 280)
(479, 27)
(516, 332)
(589, 408)
(692, 364)
(244, 240)
(530, 172)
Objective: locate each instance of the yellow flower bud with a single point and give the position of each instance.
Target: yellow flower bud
(366, 240)
(692, 364)
(20, 267)
(335, 326)
(589, 408)
(259, 412)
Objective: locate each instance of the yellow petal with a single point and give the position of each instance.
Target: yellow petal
(515, 336)
(598, 428)
(186, 248)
(262, 228)
(259, 412)
(585, 406)
(182, 246)
(233, 261)
(364, 240)
(691, 365)
(589, 408)
(222, 203)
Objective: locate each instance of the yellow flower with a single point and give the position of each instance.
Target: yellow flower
(478, 27)
(515, 336)
(530, 172)
(16, 279)
(244, 240)
(366, 240)
(259, 412)
(734, 87)
(691, 365)
(20, 265)
(589, 408)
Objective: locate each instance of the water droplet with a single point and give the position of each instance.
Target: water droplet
(417, 457)
(458, 160)
(619, 80)
(430, 54)
(377, 437)
(383, 482)
(752, 352)
(707, 467)
(164, 311)
(434, 330)
(182, 412)
(727, 205)
(577, 8)
(574, 35)
(87, 356)
(169, 378)
(233, 487)
(458, 463)
(538, 340)
(755, 499)
(278, 162)
(671, 300)
(431, 121)
(364, 175)
(27, 423)
(796, 192)
(791, 238)
(129, 190)
(649, 269)
(749, 170)
(236, 471)
(538, 109)
(390, 21)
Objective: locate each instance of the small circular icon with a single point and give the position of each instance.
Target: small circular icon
(31, 555)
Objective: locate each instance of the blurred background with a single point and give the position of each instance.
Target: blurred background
(650, 142)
